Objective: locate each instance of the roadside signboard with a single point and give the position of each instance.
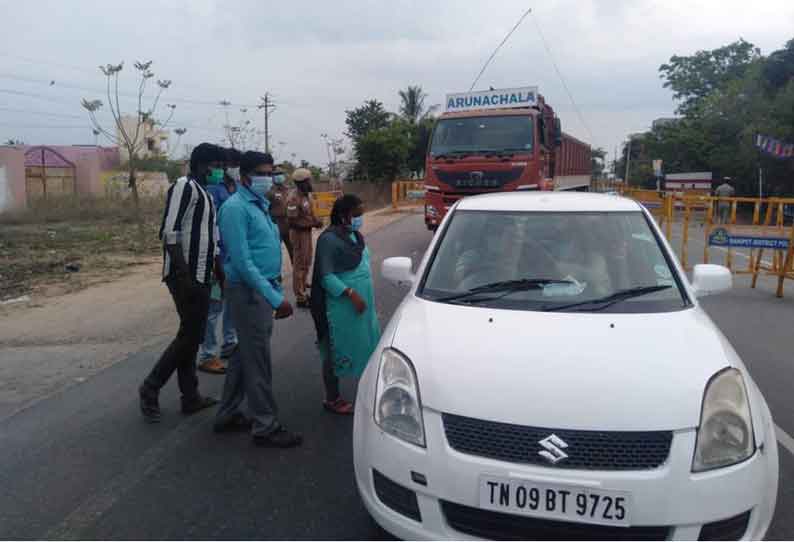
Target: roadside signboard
(415, 194)
(492, 99)
(757, 239)
(752, 237)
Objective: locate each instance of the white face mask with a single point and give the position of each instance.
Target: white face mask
(234, 173)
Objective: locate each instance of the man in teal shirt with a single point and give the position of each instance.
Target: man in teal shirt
(253, 290)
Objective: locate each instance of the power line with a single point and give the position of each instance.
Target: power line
(42, 113)
(562, 80)
(507, 37)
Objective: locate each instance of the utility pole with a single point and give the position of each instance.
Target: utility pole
(267, 105)
(628, 161)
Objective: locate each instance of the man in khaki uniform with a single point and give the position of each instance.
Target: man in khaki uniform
(301, 222)
(278, 197)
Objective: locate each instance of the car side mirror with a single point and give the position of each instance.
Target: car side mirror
(398, 270)
(709, 279)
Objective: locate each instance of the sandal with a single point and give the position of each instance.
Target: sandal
(340, 406)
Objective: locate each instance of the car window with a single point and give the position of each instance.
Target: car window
(584, 256)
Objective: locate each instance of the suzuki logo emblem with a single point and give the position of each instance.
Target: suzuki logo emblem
(553, 449)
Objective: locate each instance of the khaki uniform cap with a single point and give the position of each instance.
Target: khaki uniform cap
(301, 174)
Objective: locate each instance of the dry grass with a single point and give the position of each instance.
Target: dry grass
(98, 235)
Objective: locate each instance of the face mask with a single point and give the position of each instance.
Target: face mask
(356, 222)
(279, 179)
(261, 184)
(215, 176)
(234, 173)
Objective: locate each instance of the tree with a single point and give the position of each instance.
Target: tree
(13, 142)
(420, 141)
(597, 157)
(382, 153)
(693, 78)
(412, 106)
(779, 67)
(130, 137)
(368, 117)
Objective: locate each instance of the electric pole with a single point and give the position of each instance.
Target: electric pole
(267, 106)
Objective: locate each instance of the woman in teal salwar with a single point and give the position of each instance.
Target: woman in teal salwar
(343, 301)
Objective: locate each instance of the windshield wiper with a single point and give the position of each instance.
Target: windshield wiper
(505, 286)
(452, 155)
(608, 301)
(500, 154)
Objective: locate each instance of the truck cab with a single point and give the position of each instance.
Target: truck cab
(497, 141)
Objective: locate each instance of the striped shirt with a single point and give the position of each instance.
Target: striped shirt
(189, 221)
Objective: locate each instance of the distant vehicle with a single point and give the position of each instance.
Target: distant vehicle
(499, 141)
(552, 375)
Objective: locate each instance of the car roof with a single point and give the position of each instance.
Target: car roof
(539, 201)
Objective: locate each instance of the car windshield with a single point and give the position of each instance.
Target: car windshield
(549, 261)
(482, 134)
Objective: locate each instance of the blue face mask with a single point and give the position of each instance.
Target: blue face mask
(279, 179)
(356, 222)
(261, 184)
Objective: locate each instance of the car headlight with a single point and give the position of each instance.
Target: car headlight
(725, 435)
(398, 409)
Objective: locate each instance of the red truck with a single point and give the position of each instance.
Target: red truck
(497, 141)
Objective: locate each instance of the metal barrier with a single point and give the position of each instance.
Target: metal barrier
(407, 193)
(323, 202)
(718, 219)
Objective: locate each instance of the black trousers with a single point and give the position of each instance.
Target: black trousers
(192, 303)
(330, 380)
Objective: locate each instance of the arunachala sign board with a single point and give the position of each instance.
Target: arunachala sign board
(492, 99)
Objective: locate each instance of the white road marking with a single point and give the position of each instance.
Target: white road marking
(784, 439)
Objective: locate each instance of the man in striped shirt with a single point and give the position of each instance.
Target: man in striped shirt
(189, 234)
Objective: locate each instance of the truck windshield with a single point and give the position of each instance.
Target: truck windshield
(482, 134)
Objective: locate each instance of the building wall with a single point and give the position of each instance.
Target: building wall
(12, 179)
(158, 137)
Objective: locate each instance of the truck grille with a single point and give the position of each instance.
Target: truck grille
(479, 179)
(593, 450)
(500, 526)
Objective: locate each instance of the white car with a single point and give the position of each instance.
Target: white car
(551, 375)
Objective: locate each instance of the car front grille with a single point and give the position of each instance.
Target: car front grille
(500, 526)
(727, 529)
(593, 450)
(400, 499)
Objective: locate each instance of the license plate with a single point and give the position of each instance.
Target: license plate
(551, 501)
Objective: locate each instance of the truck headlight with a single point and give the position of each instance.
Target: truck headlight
(398, 409)
(725, 435)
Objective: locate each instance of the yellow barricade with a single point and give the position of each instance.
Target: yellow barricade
(758, 228)
(407, 193)
(323, 202)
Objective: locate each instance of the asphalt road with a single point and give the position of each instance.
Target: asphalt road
(82, 465)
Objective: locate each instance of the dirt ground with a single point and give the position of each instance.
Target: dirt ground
(62, 337)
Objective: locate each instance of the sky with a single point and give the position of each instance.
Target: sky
(320, 58)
